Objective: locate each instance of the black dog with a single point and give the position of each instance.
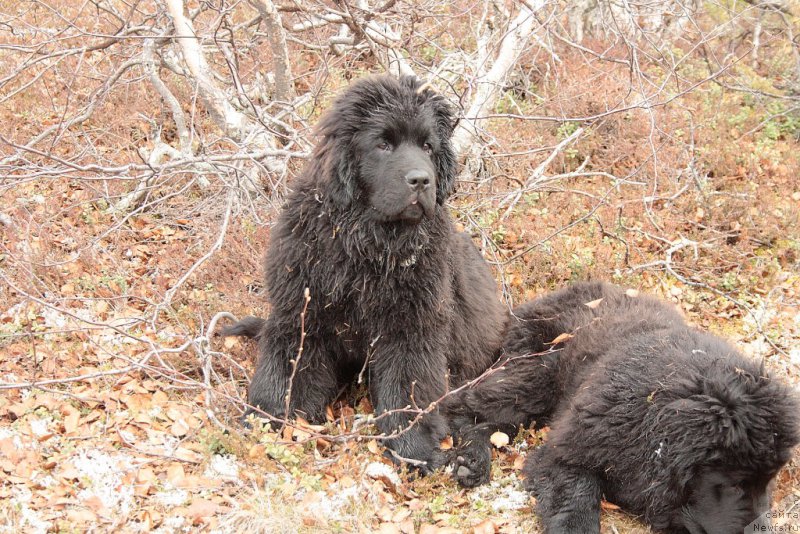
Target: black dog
(394, 288)
(670, 423)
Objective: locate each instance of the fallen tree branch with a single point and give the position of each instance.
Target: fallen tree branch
(488, 85)
(284, 82)
(537, 174)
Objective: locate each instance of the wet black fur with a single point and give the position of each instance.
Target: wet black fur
(670, 423)
(390, 279)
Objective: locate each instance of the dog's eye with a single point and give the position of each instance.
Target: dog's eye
(383, 145)
(729, 489)
(427, 148)
(738, 491)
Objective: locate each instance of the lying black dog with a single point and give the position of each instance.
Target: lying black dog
(670, 423)
(396, 293)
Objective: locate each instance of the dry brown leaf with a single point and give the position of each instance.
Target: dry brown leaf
(365, 406)
(196, 481)
(137, 401)
(143, 418)
(384, 513)
(499, 439)
(142, 489)
(175, 474)
(94, 504)
(311, 498)
(301, 435)
(593, 304)
(177, 412)
(101, 306)
(305, 425)
(311, 522)
(179, 428)
(81, 516)
(416, 505)
(605, 505)
(193, 422)
(23, 470)
(389, 528)
(446, 444)
(92, 416)
(201, 508)
(20, 409)
(71, 422)
(519, 462)
(407, 526)
(6, 465)
(149, 519)
(68, 472)
(699, 214)
(183, 453)
(257, 451)
(486, 526)
(401, 515)
(562, 338)
(9, 450)
(159, 398)
(145, 479)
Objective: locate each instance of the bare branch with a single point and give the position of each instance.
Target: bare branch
(284, 88)
(487, 86)
(232, 121)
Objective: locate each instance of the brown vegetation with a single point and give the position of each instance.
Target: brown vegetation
(656, 150)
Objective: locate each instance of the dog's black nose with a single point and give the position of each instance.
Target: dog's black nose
(418, 179)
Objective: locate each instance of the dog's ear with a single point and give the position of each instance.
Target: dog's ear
(446, 162)
(692, 431)
(740, 414)
(446, 170)
(341, 173)
(333, 154)
(719, 424)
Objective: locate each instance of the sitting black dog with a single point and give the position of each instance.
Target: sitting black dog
(397, 294)
(670, 423)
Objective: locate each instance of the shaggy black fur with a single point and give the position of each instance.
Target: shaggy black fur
(668, 422)
(391, 281)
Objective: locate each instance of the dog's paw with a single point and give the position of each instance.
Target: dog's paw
(472, 464)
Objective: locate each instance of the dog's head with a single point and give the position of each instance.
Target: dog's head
(386, 145)
(735, 428)
(723, 500)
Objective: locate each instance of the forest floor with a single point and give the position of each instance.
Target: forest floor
(117, 434)
(119, 412)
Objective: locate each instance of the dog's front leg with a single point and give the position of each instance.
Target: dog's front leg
(405, 383)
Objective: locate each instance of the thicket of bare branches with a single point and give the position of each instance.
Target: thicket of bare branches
(200, 111)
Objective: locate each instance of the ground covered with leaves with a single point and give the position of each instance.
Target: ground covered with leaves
(120, 407)
(134, 429)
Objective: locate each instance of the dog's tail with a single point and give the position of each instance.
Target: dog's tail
(249, 326)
